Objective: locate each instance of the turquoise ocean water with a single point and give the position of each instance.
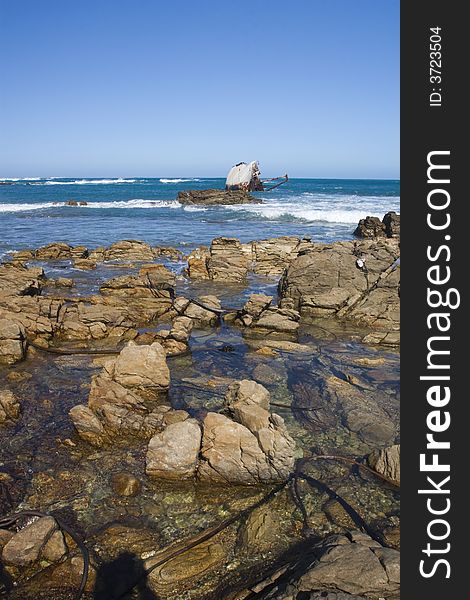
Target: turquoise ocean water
(33, 211)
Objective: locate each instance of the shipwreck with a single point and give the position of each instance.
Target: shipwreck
(246, 177)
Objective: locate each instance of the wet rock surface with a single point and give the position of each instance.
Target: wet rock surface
(175, 452)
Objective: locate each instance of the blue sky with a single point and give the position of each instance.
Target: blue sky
(190, 87)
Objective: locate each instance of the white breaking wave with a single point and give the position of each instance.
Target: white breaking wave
(20, 179)
(89, 182)
(24, 207)
(135, 203)
(177, 180)
(195, 208)
(323, 208)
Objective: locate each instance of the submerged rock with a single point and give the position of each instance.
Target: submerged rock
(39, 539)
(9, 407)
(125, 484)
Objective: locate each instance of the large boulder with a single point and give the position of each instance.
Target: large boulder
(254, 447)
(352, 567)
(173, 453)
(228, 261)
(353, 280)
(212, 197)
(271, 257)
(126, 397)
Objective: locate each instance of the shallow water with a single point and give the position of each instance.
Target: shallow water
(54, 470)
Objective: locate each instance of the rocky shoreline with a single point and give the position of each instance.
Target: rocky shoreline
(152, 399)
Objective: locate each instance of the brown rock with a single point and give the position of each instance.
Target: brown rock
(173, 453)
(125, 484)
(386, 462)
(9, 406)
(25, 547)
(12, 342)
(212, 197)
(227, 262)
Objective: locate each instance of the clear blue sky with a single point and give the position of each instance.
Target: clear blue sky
(190, 87)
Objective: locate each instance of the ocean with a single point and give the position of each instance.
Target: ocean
(33, 211)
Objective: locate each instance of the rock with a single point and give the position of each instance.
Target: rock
(193, 563)
(392, 224)
(154, 281)
(247, 392)
(71, 203)
(358, 281)
(256, 304)
(85, 264)
(202, 314)
(345, 570)
(258, 316)
(12, 342)
(9, 407)
(26, 546)
(125, 484)
(88, 425)
(278, 320)
(227, 261)
(212, 197)
(173, 453)
(353, 569)
(197, 263)
(266, 374)
(18, 280)
(168, 252)
(271, 257)
(370, 227)
(5, 537)
(64, 282)
(141, 368)
(260, 529)
(255, 449)
(55, 548)
(129, 250)
(125, 398)
(60, 251)
(386, 462)
(359, 411)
